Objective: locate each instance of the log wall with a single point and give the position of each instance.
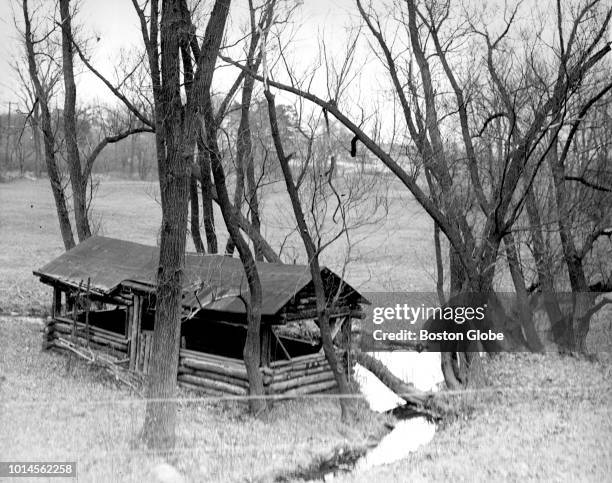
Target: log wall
(218, 375)
(61, 327)
(204, 372)
(207, 373)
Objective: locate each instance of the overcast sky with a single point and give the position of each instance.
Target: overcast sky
(116, 24)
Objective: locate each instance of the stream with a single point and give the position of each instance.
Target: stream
(410, 431)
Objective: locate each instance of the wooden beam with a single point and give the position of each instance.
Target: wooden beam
(136, 312)
(280, 343)
(266, 346)
(56, 309)
(347, 342)
(212, 384)
(236, 370)
(312, 314)
(311, 388)
(56, 303)
(301, 381)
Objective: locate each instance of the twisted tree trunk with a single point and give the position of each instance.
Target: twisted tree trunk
(77, 180)
(42, 94)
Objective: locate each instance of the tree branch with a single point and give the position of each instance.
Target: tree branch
(109, 140)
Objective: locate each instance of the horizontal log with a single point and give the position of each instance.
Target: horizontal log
(210, 366)
(317, 357)
(300, 366)
(280, 387)
(312, 314)
(207, 356)
(211, 384)
(214, 376)
(100, 340)
(307, 300)
(311, 389)
(108, 351)
(297, 360)
(284, 376)
(67, 323)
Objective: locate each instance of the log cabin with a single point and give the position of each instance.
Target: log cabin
(104, 299)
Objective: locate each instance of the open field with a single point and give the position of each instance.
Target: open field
(541, 417)
(392, 255)
(48, 412)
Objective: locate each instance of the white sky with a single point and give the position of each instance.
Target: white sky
(116, 24)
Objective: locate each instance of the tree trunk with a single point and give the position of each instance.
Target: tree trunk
(208, 215)
(453, 374)
(439, 265)
(238, 197)
(524, 309)
(253, 201)
(578, 324)
(7, 146)
(543, 267)
(195, 215)
(35, 126)
(252, 346)
(174, 174)
(77, 181)
(48, 137)
(313, 262)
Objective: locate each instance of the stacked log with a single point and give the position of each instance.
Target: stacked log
(304, 313)
(217, 375)
(60, 327)
(301, 375)
(209, 373)
(144, 351)
(212, 374)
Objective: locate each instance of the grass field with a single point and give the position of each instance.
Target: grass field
(541, 417)
(391, 255)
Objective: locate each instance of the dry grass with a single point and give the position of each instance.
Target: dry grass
(540, 418)
(392, 255)
(553, 423)
(544, 418)
(50, 413)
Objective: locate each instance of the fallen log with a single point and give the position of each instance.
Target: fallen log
(406, 391)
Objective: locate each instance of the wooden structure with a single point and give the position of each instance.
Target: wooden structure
(104, 298)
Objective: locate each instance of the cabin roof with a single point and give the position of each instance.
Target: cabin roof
(211, 282)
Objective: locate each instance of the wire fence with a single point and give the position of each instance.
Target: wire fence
(280, 397)
(213, 442)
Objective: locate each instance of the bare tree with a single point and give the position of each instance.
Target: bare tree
(176, 127)
(313, 261)
(244, 145)
(43, 93)
(70, 125)
(534, 111)
(79, 171)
